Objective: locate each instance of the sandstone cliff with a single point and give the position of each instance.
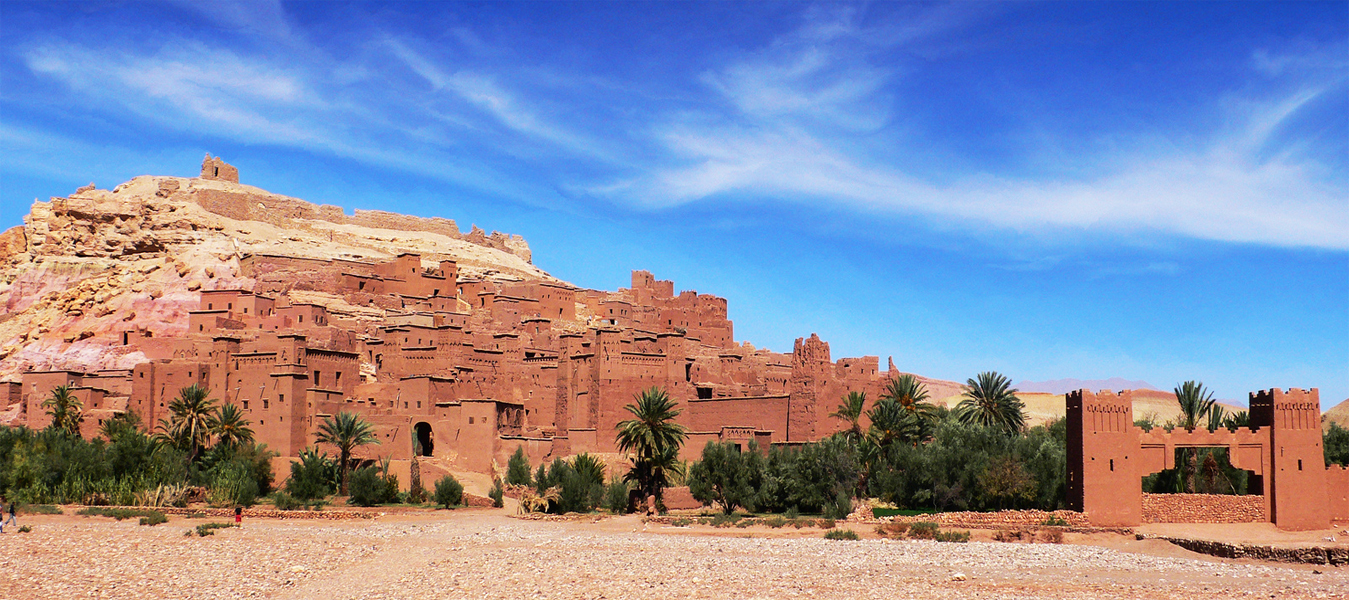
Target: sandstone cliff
(85, 268)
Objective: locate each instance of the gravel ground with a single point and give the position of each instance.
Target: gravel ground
(482, 555)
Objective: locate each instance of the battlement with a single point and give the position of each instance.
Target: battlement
(1292, 409)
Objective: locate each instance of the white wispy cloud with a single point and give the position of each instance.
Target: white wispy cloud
(801, 109)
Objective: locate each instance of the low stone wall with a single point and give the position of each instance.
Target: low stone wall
(261, 513)
(1005, 519)
(1316, 555)
(1203, 508)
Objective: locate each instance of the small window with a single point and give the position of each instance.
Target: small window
(1299, 464)
(281, 398)
(470, 420)
(1112, 464)
(266, 403)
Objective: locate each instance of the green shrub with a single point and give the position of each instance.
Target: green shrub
(285, 501)
(952, 536)
(232, 484)
(25, 529)
(206, 529)
(775, 522)
(497, 494)
(923, 530)
(1335, 441)
(840, 534)
(517, 469)
(449, 492)
(313, 476)
(725, 520)
(154, 518)
(720, 478)
(840, 507)
(1055, 521)
(792, 513)
(368, 488)
(681, 522)
(825, 523)
(616, 496)
(119, 513)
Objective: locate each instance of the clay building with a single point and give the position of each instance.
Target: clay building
(465, 369)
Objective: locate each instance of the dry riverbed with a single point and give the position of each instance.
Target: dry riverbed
(482, 554)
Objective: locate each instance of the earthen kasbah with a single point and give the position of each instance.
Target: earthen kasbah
(455, 346)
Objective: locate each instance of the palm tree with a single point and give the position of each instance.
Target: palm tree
(990, 401)
(66, 410)
(911, 395)
(890, 423)
(851, 412)
(1237, 420)
(347, 431)
(191, 420)
(231, 429)
(1196, 403)
(654, 438)
(1216, 417)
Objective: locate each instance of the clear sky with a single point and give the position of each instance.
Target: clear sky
(1152, 191)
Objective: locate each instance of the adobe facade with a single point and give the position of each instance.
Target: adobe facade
(465, 369)
(1282, 449)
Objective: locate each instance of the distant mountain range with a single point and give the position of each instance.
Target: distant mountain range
(1063, 386)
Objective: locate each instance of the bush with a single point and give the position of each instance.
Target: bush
(1336, 444)
(25, 529)
(840, 534)
(958, 537)
(313, 476)
(368, 488)
(616, 496)
(497, 494)
(120, 513)
(517, 469)
(1055, 521)
(285, 501)
(840, 507)
(232, 484)
(923, 530)
(154, 518)
(206, 529)
(449, 492)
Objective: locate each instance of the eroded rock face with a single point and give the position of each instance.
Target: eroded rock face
(85, 268)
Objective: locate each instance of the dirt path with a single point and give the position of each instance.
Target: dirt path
(481, 554)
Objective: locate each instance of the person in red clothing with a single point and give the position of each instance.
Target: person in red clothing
(238, 515)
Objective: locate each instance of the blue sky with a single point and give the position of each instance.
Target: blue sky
(1144, 190)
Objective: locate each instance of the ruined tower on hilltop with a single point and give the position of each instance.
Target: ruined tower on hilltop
(219, 170)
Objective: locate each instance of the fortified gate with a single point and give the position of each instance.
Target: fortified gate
(1108, 457)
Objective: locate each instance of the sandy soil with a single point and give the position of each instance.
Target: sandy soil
(485, 554)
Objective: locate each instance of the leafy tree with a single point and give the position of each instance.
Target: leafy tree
(1335, 442)
(616, 496)
(191, 419)
(590, 481)
(230, 427)
(720, 477)
(517, 469)
(541, 482)
(347, 431)
(850, 411)
(1005, 479)
(990, 401)
(66, 410)
(654, 439)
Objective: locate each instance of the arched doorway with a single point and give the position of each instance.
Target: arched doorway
(425, 442)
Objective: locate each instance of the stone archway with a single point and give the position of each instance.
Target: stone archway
(425, 439)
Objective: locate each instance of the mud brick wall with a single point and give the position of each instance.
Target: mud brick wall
(1202, 508)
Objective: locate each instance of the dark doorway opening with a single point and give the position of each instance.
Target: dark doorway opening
(425, 443)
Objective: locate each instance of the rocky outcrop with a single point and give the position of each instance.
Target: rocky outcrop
(87, 269)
